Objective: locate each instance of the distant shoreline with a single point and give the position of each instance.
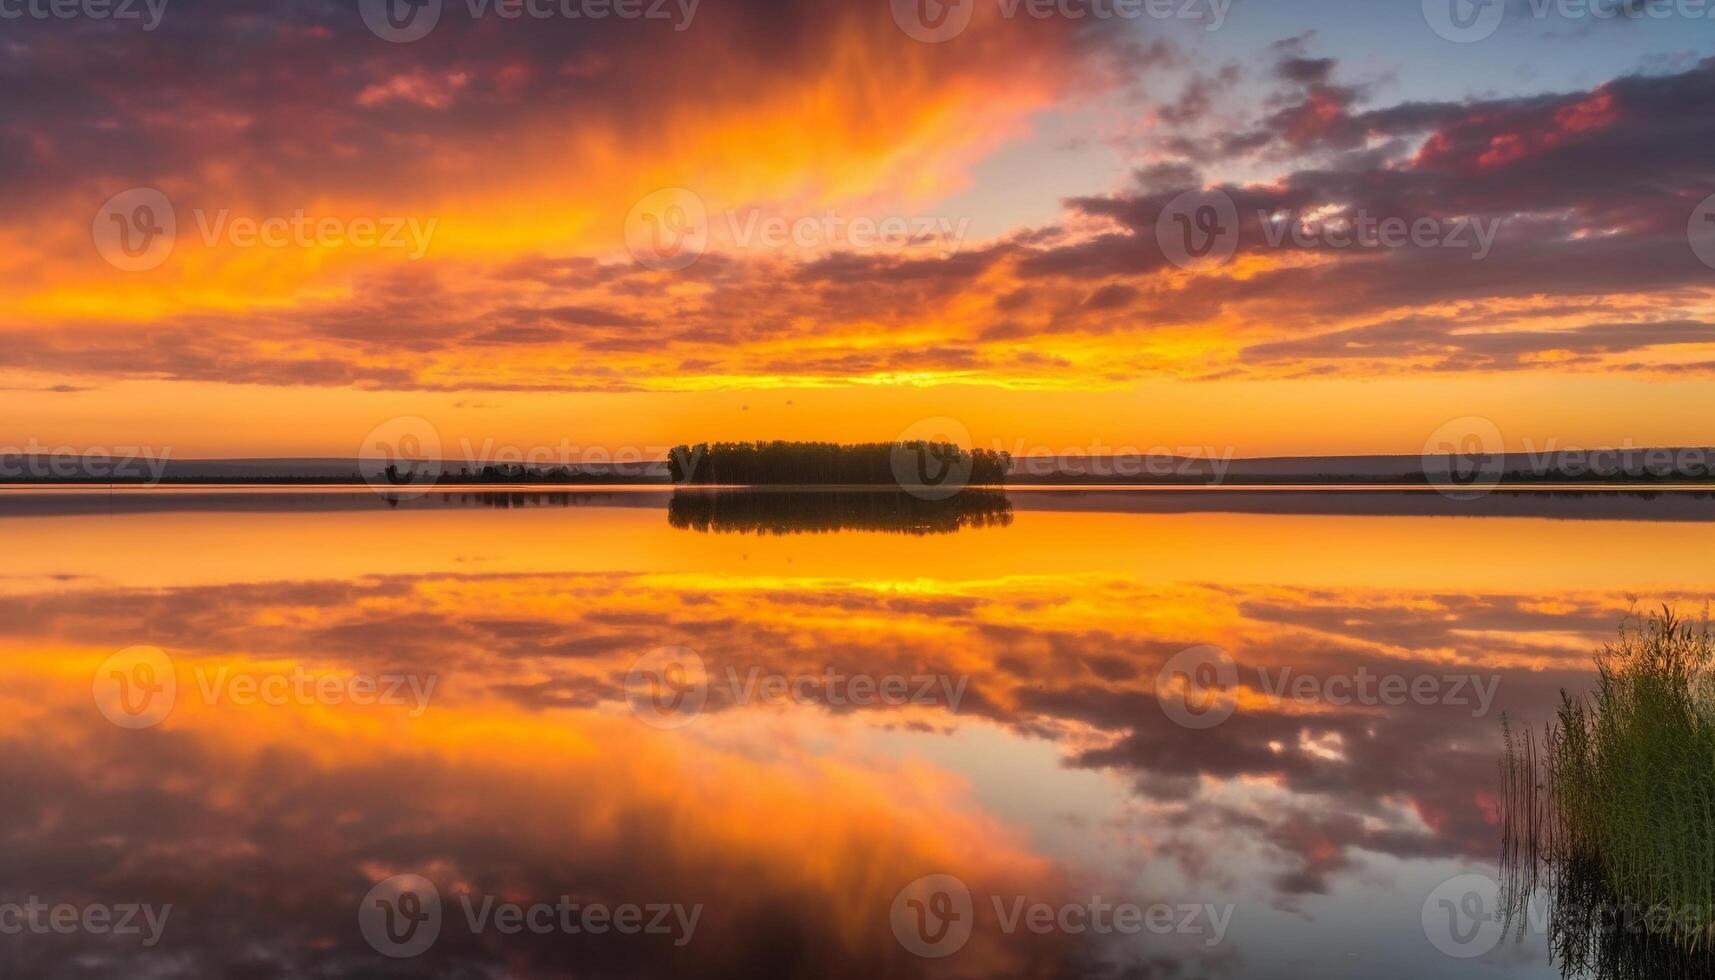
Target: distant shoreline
(942, 466)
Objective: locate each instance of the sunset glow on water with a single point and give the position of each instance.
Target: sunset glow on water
(873, 489)
(876, 707)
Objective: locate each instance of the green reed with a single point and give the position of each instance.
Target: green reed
(1611, 811)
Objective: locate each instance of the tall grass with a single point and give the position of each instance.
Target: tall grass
(1611, 811)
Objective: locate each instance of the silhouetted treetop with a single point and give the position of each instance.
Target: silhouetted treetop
(832, 463)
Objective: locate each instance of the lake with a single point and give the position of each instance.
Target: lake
(638, 733)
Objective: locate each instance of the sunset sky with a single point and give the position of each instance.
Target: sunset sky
(517, 173)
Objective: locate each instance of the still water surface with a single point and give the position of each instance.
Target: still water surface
(613, 700)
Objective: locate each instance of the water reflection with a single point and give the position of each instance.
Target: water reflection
(1675, 505)
(1057, 773)
(509, 499)
(1593, 934)
(764, 511)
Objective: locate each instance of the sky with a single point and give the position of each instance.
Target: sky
(238, 228)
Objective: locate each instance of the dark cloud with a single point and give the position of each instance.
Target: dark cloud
(1443, 345)
(1586, 195)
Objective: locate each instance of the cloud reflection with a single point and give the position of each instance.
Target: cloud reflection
(784, 820)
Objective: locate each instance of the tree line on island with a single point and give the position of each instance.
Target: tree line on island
(833, 464)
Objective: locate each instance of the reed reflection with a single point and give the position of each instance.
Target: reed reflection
(1609, 813)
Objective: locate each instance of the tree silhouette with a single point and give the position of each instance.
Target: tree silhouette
(834, 464)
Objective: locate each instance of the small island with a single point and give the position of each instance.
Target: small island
(836, 464)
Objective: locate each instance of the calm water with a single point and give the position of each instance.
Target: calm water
(678, 744)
